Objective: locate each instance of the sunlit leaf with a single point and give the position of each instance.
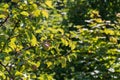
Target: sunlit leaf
(61, 30)
(49, 63)
(109, 31)
(12, 43)
(17, 73)
(24, 13)
(2, 16)
(33, 76)
(113, 39)
(22, 68)
(45, 13)
(36, 13)
(2, 75)
(7, 58)
(33, 40)
(34, 6)
(64, 41)
(7, 50)
(98, 20)
(59, 39)
(49, 3)
(72, 44)
(6, 6)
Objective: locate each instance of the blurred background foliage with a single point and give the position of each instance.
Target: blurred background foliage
(59, 39)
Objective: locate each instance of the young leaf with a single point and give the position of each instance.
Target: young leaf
(44, 13)
(64, 41)
(72, 44)
(49, 63)
(49, 3)
(12, 43)
(36, 13)
(24, 13)
(2, 16)
(33, 40)
(18, 73)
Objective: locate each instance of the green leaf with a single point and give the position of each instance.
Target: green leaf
(12, 43)
(45, 13)
(33, 76)
(109, 31)
(72, 44)
(2, 75)
(46, 77)
(64, 41)
(15, 1)
(36, 13)
(49, 3)
(2, 16)
(33, 40)
(6, 6)
(2, 56)
(61, 30)
(63, 62)
(22, 68)
(24, 13)
(49, 63)
(17, 73)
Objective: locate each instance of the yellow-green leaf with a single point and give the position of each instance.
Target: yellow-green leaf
(12, 43)
(49, 3)
(64, 41)
(24, 13)
(46, 77)
(22, 68)
(44, 13)
(51, 36)
(49, 63)
(6, 6)
(33, 40)
(2, 75)
(27, 52)
(113, 39)
(7, 50)
(61, 30)
(72, 44)
(7, 58)
(38, 64)
(18, 73)
(33, 63)
(2, 16)
(34, 6)
(50, 77)
(109, 31)
(98, 20)
(15, 1)
(36, 13)
(33, 76)
(63, 62)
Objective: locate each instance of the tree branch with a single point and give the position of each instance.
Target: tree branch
(16, 24)
(10, 75)
(1, 23)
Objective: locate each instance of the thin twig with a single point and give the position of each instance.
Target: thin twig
(10, 75)
(1, 23)
(9, 36)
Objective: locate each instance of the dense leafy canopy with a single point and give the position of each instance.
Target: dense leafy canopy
(59, 39)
